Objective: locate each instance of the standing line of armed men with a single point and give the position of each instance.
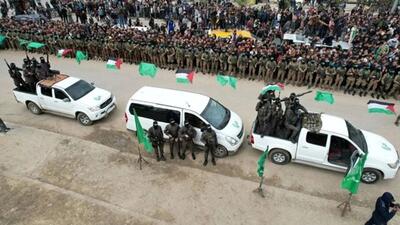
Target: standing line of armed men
(181, 138)
(325, 68)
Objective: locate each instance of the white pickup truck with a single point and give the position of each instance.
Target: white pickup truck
(68, 96)
(332, 147)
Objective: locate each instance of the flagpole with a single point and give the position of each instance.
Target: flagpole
(141, 159)
(259, 190)
(346, 205)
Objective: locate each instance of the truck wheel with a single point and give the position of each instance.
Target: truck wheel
(84, 119)
(370, 176)
(279, 156)
(220, 151)
(34, 108)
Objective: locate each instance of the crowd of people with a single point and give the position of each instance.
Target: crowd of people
(371, 65)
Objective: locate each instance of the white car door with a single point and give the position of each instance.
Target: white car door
(312, 147)
(46, 98)
(62, 103)
(197, 124)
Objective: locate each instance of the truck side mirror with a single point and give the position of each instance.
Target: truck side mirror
(66, 100)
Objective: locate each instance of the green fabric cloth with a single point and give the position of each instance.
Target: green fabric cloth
(322, 96)
(261, 162)
(2, 39)
(142, 137)
(147, 69)
(35, 45)
(79, 56)
(224, 80)
(352, 179)
(23, 42)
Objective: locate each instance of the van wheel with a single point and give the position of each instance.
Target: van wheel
(370, 176)
(34, 108)
(220, 151)
(279, 156)
(84, 119)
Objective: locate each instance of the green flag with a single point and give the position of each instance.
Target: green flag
(224, 80)
(142, 137)
(23, 42)
(35, 45)
(352, 179)
(79, 56)
(147, 69)
(322, 96)
(2, 39)
(260, 162)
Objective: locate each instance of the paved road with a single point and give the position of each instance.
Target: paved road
(124, 83)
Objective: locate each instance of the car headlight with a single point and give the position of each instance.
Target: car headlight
(231, 140)
(94, 109)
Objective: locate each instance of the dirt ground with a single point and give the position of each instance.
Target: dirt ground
(65, 180)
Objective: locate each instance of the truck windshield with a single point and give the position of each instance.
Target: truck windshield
(79, 89)
(357, 137)
(216, 114)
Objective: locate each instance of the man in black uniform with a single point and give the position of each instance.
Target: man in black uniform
(16, 76)
(209, 138)
(186, 135)
(172, 131)
(157, 140)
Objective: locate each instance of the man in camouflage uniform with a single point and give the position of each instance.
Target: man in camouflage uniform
(301, 73)
(340, 75)
(270, 69)
(362, 80)
(330, 73)
(197, 55)
(232, 61)
(282, 68)
(171, 58)
(374, 79)
(214, 62)
(351, 78)
(205, 61)
(223, 63)
(179, 56)
(386, 83)
(312, 68)
(396, 86)
(262, 66)
(320, 75)
(242, 64)
(189, 58)
(292, 71)
(252, 66)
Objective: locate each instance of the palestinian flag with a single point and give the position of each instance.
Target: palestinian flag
(63, 52)
(184, 76)
(273, 87)
(114, 64)
(380, 107)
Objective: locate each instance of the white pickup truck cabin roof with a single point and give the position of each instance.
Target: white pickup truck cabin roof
(334, 124)
(168, 97)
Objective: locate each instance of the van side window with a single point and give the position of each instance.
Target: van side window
(155, 113)
(316, 139)
(194, 120)
(46, 91)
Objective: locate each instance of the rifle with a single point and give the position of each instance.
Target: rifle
(9, 67)
(26, 53)
(304, 93)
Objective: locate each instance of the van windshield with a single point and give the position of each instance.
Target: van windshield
(79, 89)
(216, 114)
(357, 137)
